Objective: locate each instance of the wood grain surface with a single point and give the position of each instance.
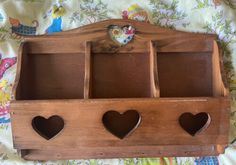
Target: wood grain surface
(81, 74)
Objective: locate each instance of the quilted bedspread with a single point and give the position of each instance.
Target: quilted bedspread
(35, 17)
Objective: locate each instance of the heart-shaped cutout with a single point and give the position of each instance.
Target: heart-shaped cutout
(48, 128)
(121, 124)
(121, 35)
(194, 124)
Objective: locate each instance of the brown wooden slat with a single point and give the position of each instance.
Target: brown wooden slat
(115, 152)
(83, 121)
(60, 45)
(184, 45)
(87, 77)
(155, 90)
(106, 45)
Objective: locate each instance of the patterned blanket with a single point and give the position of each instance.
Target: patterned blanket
(34, 17)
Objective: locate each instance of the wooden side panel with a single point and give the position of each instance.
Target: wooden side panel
(21, 53)
(84, 128)
(219, 88)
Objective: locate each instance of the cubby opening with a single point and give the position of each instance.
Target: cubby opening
(120, 75)
(185, 74)
(51, 76)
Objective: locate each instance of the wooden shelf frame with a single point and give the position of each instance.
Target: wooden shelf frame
(159, 133)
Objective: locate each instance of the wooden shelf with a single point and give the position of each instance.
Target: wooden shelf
(162, 94)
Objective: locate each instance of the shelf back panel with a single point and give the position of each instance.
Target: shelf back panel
(125, 75)
(185, 74)
(51, 76)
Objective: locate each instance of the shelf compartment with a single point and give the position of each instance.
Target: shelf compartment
(185, 74)
(51, 76)
(120, 75)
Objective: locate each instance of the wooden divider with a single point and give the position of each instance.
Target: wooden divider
(87, 77)
(155, 89)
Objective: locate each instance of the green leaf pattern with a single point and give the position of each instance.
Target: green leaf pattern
(167, 14)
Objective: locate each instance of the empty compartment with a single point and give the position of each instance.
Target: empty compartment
(51, 76)
(120, 75)
(185, 74)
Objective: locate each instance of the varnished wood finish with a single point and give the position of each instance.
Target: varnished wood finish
(120, 75)
(185, 74)
(81, 74)
(219, 88)
(87, 77)
(157, 127)
(52, 76)
(154, 72)
(135, 151)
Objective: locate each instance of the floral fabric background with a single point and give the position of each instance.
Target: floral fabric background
(35, 17)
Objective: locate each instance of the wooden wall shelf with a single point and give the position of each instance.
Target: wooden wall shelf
(78, 94)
